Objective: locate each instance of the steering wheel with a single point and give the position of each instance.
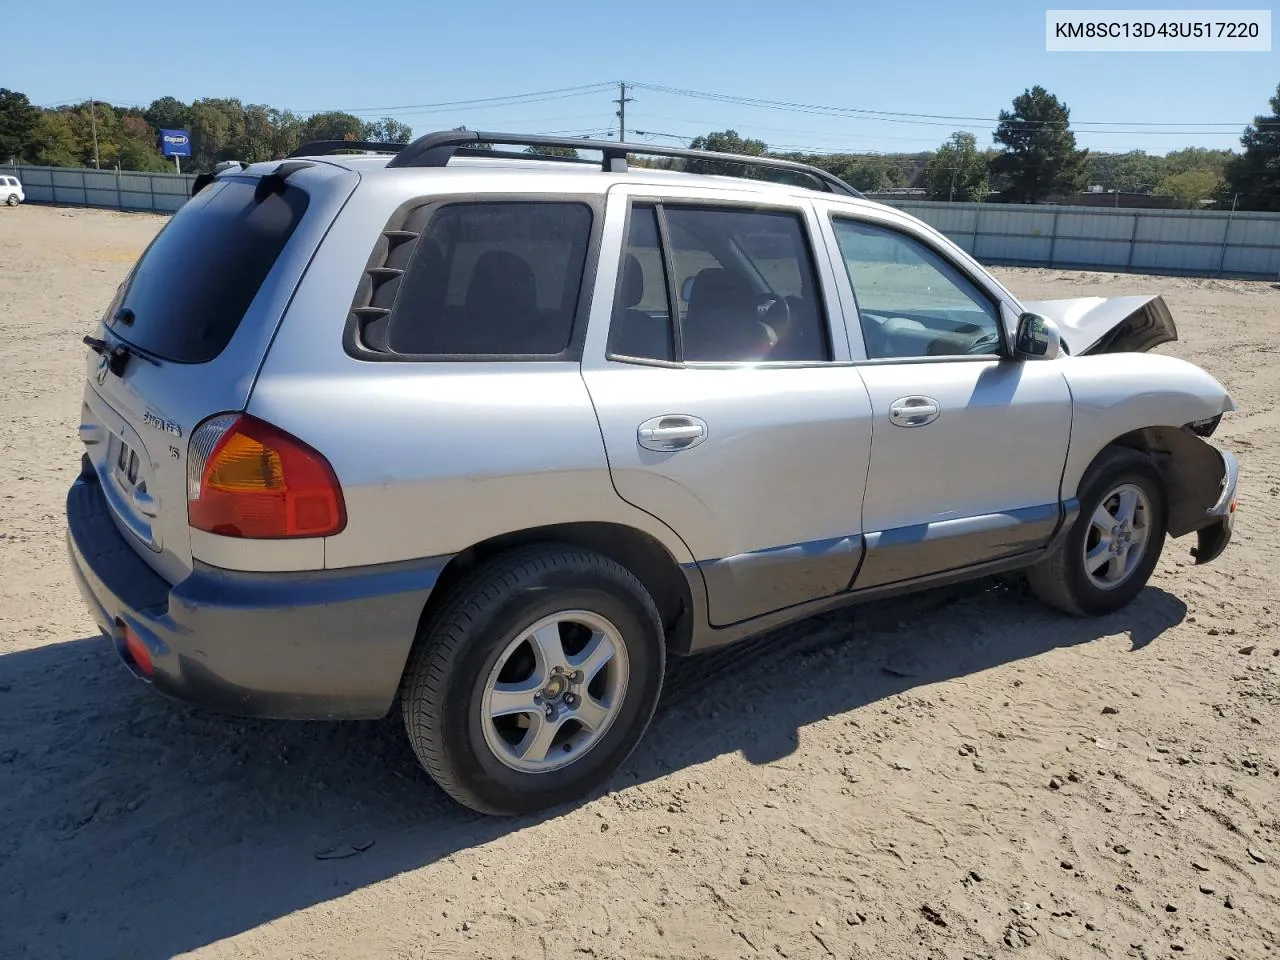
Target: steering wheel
(773, 314)
(773, 309)
(982, 343)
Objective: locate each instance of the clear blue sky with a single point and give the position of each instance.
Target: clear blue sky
(926, 57)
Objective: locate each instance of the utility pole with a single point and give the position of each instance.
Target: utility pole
(621, 114)
(93, 121)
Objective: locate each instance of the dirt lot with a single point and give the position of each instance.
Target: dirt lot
(961, 775)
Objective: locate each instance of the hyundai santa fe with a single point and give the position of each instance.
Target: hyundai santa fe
(486, 437)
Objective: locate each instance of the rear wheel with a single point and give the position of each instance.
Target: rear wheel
(535, 680)
(1113, 547)
(12, 200)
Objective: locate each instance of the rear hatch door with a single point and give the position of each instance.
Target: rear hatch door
(186, 334)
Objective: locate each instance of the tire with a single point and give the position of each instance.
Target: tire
(12, 200)
(471, 654)
(1062, 579)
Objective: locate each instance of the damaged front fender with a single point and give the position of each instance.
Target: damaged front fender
(1200, 482)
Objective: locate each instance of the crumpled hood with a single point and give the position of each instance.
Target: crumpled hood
(1109, 324)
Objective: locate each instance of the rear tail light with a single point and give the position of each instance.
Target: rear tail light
(246, 478)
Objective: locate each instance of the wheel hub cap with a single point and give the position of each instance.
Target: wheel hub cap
(1116, 540)
(554, 691)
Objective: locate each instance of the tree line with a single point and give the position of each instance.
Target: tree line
(1034, 156)
(100, 134)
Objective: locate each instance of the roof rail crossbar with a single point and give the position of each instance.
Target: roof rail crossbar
(437, 149)
(321, 148)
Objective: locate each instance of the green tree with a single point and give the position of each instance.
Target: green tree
(1134, 172)
(138, 150)
(18, 123)
(1255, 174)
(261, 141)
(332, 125)
(725, 141)
(958, 171)
(1197, 158)
(1191, 188)
(54, 143)
(96, 121)
(552, 152)
(387, 130)
(286, 132)
(1039, 159)
(217, 132)
(869, 174)
(168, 113)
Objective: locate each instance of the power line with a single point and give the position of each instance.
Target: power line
(514, 99)
(831, 134)
(928, 119)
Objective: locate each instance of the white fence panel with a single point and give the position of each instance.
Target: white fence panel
(1207, 243)
(126, 190)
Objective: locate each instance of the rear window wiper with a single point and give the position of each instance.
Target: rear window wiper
(118, 354)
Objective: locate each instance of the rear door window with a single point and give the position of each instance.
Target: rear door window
(195, 282)
(744, 284)
(493, 278)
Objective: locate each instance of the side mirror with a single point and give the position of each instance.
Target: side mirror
(686, 289)
(1037, 339)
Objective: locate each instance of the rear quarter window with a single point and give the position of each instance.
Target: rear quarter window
(485, 278)
(194, 284)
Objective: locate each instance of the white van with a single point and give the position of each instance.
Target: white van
(11, 190)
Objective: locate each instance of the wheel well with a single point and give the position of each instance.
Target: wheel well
(646, 558)
(1191, 469)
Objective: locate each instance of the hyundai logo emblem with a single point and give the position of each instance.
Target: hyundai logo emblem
(103, 365)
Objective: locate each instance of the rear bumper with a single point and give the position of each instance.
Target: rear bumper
(326, 644)
(1213, 537)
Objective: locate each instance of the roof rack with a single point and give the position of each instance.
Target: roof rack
(437, 149)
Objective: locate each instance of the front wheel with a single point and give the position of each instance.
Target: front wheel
(535, 680)
(1113, 547)
(12, 200)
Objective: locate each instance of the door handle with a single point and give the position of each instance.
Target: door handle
(671, 433)
(913, 411)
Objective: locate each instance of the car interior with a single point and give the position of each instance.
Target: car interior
(729, 310)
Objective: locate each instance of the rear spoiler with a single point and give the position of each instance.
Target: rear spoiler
(281, 173)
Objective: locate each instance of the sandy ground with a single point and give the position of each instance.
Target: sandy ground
(964, 774)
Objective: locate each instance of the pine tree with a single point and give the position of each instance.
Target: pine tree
(1040, 159)
(1255, 174)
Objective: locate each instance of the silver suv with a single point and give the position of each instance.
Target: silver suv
(486, 436)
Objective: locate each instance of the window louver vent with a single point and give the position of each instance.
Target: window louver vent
(376, 295)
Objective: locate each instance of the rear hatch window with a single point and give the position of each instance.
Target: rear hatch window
(192, 286)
